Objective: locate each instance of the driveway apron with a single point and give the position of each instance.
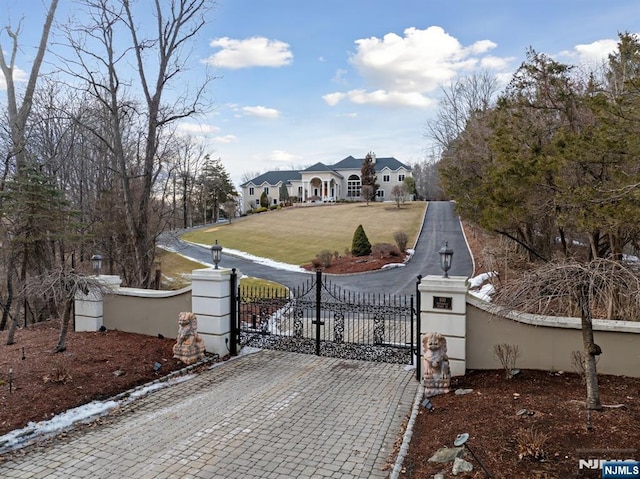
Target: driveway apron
(264, 415)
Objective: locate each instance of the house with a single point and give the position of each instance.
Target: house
(324, 183)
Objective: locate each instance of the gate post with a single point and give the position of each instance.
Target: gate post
(233, 316)
(211, 303)
(318, 309)
(443, 309)
(416, 337)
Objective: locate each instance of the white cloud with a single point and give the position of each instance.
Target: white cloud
(250, 52)
(333, 99)
(381, 97)
(496, 63)
(18, 76)
(339, 76)
(261, 112)
(225, 139)
(591, 53)
(401, 70)
(283, 157)
(197, 128)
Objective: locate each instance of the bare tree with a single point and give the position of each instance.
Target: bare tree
(460, 100)
(589, 287)
(399, 194)
(18, 113)
(61, 287)
(101, 66)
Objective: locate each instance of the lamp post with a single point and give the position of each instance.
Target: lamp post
(96, 263)
(216, 254)
(446, 254)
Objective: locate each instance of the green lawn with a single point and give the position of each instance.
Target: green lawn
(295, 235)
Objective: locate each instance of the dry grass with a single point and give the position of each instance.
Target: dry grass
(296, 235)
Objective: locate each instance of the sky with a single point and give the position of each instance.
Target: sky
(298, 82)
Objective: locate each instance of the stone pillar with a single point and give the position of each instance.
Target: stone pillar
(443, 309)
(211, 303)
(89, 307)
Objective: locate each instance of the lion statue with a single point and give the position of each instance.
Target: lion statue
(189, 347)
(436, 374)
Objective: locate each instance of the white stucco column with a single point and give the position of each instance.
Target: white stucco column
(443, 309)
(89, 307)
(211, 303)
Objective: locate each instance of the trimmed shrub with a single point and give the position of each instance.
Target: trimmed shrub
(360, 246)
(384, 250)
(325, 256)
(401, 238)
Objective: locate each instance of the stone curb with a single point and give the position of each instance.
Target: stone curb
(406, 440)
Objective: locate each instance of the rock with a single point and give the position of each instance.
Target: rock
(446, 454)
(460, 465)
(461, 392)
(440, 475)
(118, 373)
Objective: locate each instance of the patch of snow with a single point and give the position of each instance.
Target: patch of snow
(79, 415)
(483, 293)
(259, 260)
(393, 265)
(479, 280)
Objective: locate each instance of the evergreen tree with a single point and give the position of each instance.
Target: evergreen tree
(217, 186)
(360, 245)
(284, 194)
(368, 178)
(264, 200)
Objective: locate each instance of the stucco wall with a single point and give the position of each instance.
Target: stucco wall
(146, 311)
(546, 343)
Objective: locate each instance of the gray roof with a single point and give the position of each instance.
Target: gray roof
(319, 167)
(348, 163)
(274, 177)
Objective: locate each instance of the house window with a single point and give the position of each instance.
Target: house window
(266, 190)
(385, 178)
(257, 202)
(353, 186)
(251, 191)
(380, 194)
(400, 178)
(275, 201)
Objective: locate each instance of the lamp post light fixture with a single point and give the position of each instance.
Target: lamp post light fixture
(216, 254)
(446, 254)
(96, 263)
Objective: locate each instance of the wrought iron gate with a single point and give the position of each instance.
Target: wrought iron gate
(318, 317)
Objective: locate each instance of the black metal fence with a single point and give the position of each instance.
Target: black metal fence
(320, 318)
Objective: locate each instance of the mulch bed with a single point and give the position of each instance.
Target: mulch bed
(501, 415)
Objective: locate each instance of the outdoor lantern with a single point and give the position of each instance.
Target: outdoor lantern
(216, 254)
(96, 263)
(446, 254)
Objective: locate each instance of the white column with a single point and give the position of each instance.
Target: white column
(443, 309)
(211, 303)
(89, 307)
